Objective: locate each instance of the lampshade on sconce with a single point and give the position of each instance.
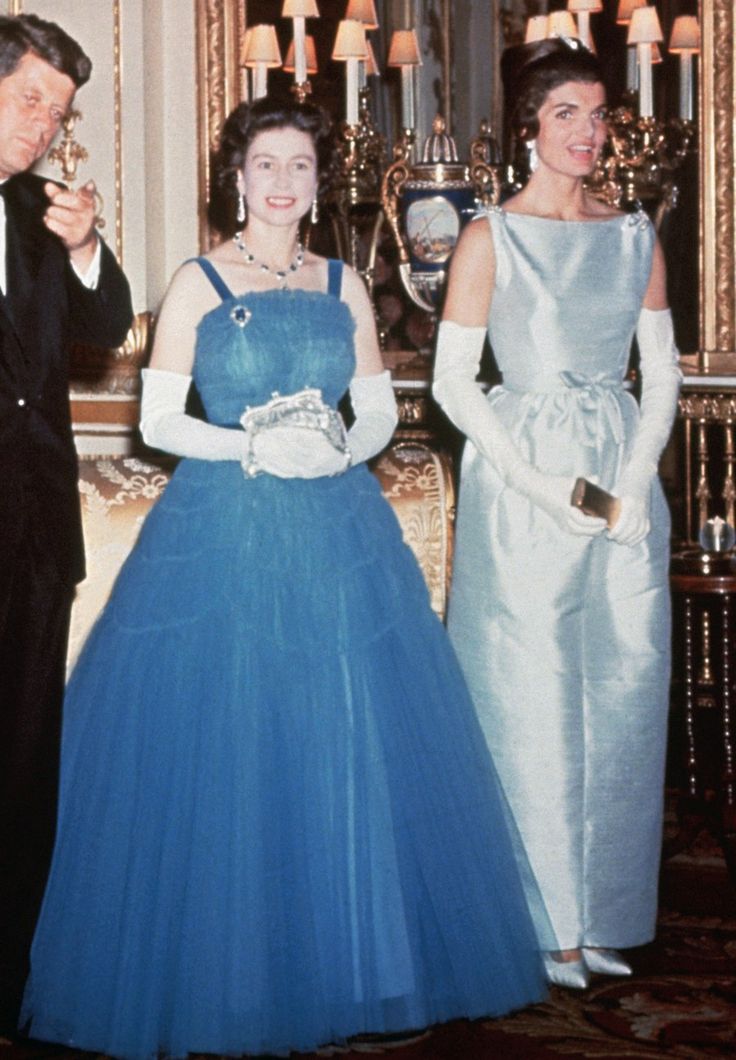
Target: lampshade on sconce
(644, 27)
(685, 36)
(350, 42)
(536, 28)
(625, 10)
(363, 11)
(311, 51)
(300, 9)
(261, 46)
(561, 24)
(591, 6)
(404, 49)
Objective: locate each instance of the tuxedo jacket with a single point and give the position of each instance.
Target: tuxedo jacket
(46, 308)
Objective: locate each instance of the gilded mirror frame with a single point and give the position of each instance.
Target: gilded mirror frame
(717, 77)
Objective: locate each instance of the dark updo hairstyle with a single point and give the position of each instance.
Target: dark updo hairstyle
(531, 71)
(21, 34)
(242, 126)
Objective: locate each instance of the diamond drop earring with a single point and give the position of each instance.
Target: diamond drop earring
(531, 146)
(314, 215)
(240, 215)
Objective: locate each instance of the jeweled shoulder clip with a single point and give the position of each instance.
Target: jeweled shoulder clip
(240, 315)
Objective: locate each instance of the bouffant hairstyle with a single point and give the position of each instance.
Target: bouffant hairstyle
(246, 121)
(21, 34)
(531, 71)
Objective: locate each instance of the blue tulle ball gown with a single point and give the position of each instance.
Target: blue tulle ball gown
(279, 823)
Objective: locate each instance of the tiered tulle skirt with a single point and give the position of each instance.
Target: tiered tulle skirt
(279, 823)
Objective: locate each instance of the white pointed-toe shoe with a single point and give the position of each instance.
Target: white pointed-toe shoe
(605, 961)
(571, 974)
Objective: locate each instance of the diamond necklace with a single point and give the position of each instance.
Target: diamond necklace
(281, 274)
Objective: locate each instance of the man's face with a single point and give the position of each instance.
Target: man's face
(33, 101)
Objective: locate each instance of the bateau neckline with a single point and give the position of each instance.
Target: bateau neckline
(565, 220)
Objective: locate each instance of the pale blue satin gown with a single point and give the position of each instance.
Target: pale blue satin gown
(565, 640)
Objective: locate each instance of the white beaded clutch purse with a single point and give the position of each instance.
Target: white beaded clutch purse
(305, 409)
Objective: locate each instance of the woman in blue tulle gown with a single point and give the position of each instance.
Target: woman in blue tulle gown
(279, 826)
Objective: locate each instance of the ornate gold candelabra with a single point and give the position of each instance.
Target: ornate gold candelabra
(641, 160)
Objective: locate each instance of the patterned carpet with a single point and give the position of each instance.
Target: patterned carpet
(681, 1001)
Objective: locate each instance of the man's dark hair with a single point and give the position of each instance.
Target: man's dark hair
(21, 34)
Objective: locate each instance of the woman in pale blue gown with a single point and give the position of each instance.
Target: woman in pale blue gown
(562, 622)
(280, 825)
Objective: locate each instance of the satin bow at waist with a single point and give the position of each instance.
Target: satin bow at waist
(594, 405)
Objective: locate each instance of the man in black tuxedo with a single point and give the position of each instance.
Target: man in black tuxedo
(59, 284)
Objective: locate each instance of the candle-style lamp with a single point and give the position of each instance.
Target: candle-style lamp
(561, 24)
(583, 9)
(644, 31)
(363, 11)
(350, 47)
(624, 12)
(404, 53)
(536, 28)
(685, 42)
(261, 54)
(299, 11)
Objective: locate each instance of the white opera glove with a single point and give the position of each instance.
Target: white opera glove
(661, 379)
(297, 452)
(457, 362)
(374, 407)
(165, 425)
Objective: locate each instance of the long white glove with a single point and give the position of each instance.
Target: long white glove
(296, 452)
(457, 362)
(661, 379)
(374, 408)
(165, 425)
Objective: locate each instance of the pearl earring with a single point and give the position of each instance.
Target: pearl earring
(533, 158)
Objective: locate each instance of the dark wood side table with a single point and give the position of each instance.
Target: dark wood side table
(704, 676)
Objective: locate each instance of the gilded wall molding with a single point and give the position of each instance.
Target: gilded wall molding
(717, 199)
(220, 26)
(118, 125)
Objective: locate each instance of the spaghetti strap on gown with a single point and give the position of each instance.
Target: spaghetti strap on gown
(279, 825)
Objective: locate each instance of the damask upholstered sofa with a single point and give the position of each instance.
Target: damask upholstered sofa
(117, 493)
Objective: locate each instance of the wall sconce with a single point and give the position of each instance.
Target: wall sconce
(299, 11)
(644, 31)
(260, 54)
(350, 47)
(685, 42)
(404, 53)
(584, 9)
